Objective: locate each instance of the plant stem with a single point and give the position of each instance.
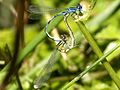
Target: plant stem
(99, 53)
(88, 69)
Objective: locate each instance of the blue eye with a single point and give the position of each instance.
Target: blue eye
(79, 6)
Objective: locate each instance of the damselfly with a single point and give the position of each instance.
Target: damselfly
(72, 10)
(77, 12)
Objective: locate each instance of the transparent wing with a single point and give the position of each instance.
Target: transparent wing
(35, 11)
(46, 71)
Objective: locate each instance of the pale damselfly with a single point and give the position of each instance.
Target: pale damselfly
(62, 45)
(68, 11)
(45, 72)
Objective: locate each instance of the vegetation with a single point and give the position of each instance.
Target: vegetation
(26, 51)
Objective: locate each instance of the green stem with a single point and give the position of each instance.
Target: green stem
(88, 69)
(99, 53)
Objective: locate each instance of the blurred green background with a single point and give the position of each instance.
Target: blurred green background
(103, 24)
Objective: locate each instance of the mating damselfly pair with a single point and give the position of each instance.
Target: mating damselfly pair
(79, 13)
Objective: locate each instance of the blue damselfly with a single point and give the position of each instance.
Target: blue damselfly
(79, 13)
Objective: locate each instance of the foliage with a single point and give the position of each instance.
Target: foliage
(104, 26)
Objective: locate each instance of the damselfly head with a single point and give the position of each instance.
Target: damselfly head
(85, 7)
(79, 6)
(79, 9)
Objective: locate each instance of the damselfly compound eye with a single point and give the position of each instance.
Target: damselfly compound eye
(87, 6)
(79, 6)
